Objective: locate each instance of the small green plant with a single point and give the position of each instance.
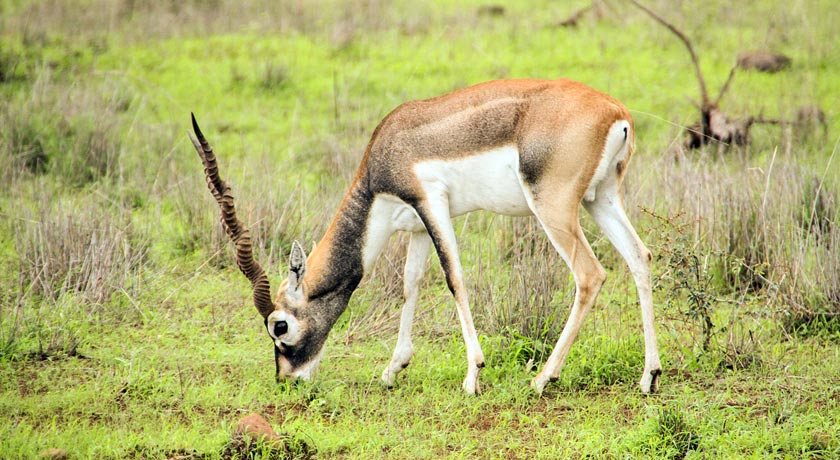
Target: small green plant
(676, 437)
(9, 66)
(667, 434)
(526, 351)
(603, 362)
(286, 448)
(686, 277)
(274, 77)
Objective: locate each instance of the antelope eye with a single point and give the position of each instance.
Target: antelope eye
(280, 328)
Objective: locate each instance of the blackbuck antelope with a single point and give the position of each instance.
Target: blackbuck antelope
(514, 147)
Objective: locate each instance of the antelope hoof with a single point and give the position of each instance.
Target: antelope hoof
(470, 384)
(650, 381)
(388, 377)
(539, 383)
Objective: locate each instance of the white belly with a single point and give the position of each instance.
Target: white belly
(488, 180)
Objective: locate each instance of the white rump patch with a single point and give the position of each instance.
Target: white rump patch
(615, 150)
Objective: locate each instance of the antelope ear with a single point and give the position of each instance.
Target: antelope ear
(297, 267)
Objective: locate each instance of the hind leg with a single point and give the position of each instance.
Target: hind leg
(559, 219)
(608, 212)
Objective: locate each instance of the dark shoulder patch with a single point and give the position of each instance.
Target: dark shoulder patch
(533, 159)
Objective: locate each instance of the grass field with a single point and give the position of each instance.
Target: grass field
(126, 330)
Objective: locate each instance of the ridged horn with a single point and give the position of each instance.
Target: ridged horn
(235, 229)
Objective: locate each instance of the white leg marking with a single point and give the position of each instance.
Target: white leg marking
(418, 250)
(439, 218)
(607, 210)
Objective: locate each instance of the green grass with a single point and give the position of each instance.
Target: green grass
(186, 386)
(163, 357)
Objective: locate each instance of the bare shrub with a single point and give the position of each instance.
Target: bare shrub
(76, 247)
(685, 277)
(811, 293)
(521, 285)
(379, 305)
(715, 126)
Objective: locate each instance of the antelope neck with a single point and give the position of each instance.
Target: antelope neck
(335, 267)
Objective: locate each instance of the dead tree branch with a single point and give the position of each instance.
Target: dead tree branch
(725, 86)
(703, 93)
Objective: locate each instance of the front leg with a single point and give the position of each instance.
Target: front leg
(435, 215)
(418, 250)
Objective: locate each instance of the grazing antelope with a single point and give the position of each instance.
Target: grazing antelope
(515, 147)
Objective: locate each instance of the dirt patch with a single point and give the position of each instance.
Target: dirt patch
(288, 447)
(53, 454)
(485, 422)
(254, 437)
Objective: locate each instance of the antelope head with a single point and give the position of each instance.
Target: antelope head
(297, 334)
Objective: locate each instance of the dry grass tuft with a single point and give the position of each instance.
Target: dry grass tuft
(69, 131)
(68, 247)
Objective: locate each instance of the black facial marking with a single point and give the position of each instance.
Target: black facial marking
(276, 363)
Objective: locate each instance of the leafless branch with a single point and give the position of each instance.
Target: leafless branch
(725, 86)
(703, 93)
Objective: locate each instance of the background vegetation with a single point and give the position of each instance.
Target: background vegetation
(127, 332)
